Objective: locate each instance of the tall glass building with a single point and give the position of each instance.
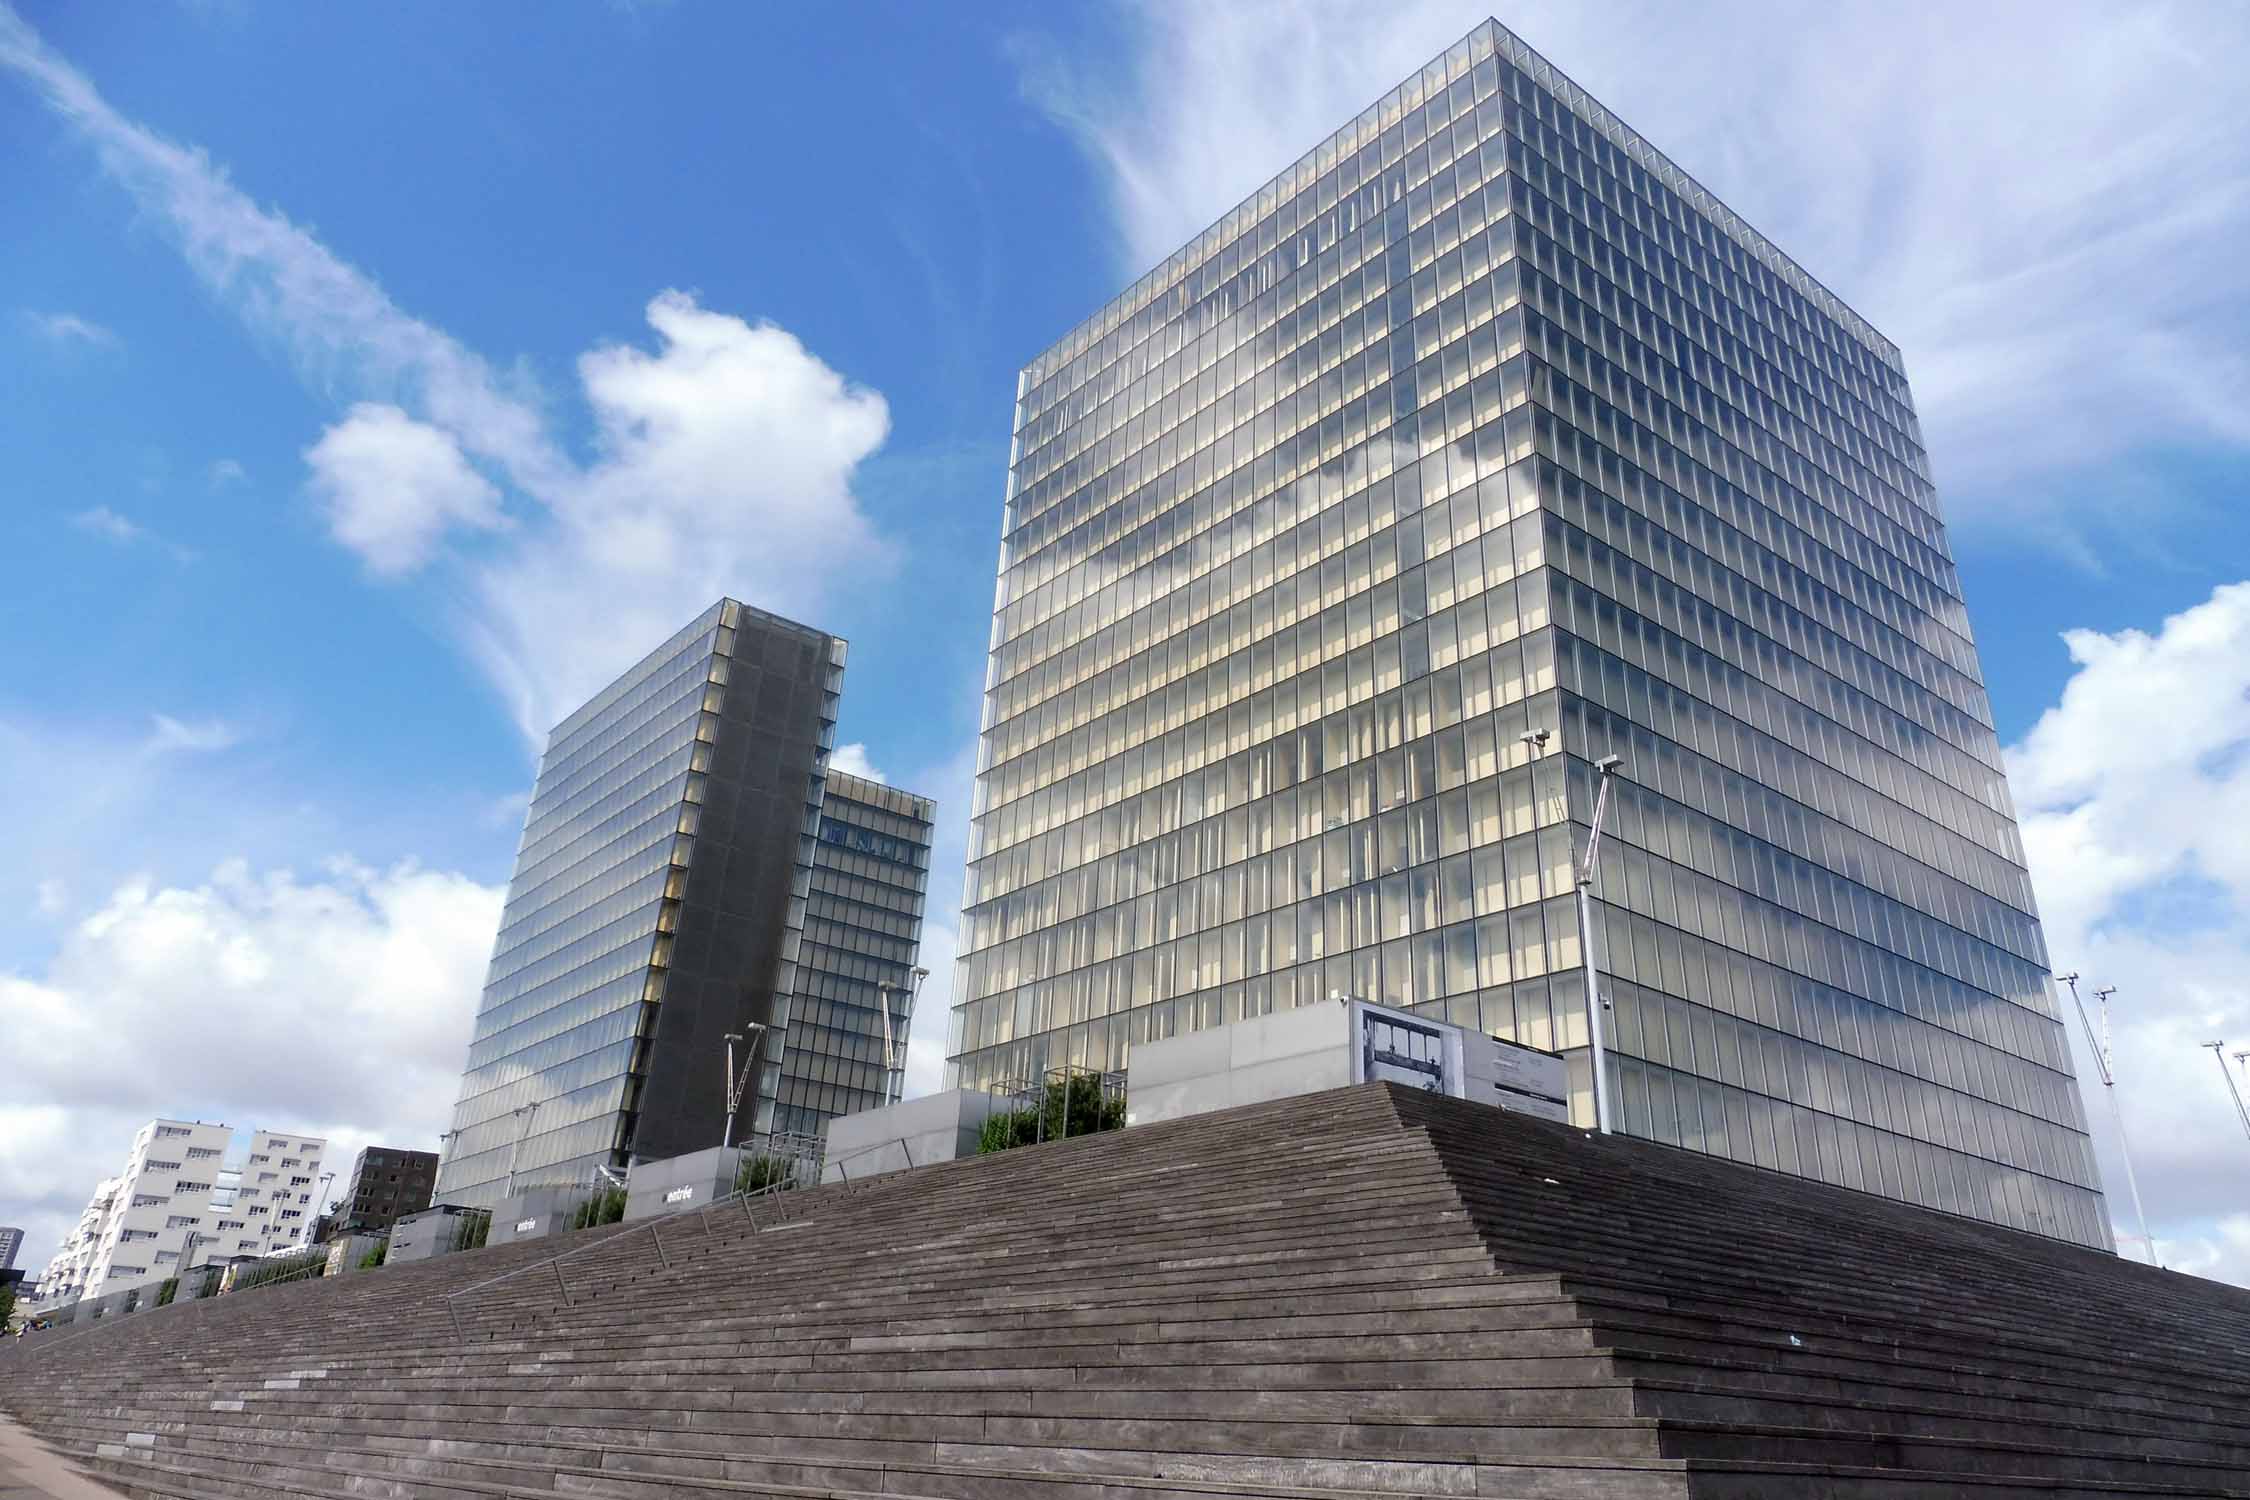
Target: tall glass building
(863, 932)
(658, 903)
(1482, 420)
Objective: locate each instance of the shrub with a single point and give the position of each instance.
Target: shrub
(374, 1257)
(267, 1272)
(757, 1173)
(1079, 1103)
(605, 1207)
(166, 1292)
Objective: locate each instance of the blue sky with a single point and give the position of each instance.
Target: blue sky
(365, 373)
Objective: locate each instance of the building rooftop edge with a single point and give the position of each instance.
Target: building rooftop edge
(704, 620)
(1184, 260)
(846, 781)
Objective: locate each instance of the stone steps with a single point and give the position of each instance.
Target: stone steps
(1369, 1292)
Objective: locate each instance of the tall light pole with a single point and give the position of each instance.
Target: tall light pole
(1583, 870)
(523, 1114)
(894, 1070)
(2100, 1048)
(737, 1082)
(2218, 1055)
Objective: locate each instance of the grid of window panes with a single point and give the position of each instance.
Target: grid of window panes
(596, 890)
(1482, 400)
(863, 928)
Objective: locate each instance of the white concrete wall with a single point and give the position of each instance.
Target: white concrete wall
(1520, 1078)
(1299, 1051)
(678, 1183)
(910, 1133)
(1316, 1047)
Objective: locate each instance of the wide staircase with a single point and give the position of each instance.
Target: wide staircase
(1362, 1292)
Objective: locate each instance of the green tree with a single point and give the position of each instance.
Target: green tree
(761, 1171)
(605, 1207)
(1076, 1107)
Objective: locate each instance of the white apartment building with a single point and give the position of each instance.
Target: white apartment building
(65, 1278)
(163, 1195)
(181, 1202)
(274, 1202)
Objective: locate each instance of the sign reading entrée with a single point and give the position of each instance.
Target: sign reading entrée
(679, 1195)
(525, 1226)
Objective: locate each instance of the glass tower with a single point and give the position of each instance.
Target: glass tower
(658, 904)
(863, 930)
(1484, 420)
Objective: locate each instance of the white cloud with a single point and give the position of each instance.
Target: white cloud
(2018, 194)
(723, 459)
(203, 737)
(852, 761)
(52, 896)
(226, 471)
(337, 1005)
(723, 464)
(108, 524)
(2132, 790)
(392, 487)
(69, 328)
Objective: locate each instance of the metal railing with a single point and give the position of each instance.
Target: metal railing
(746, 1201)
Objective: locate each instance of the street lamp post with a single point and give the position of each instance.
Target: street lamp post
(2100, 1049)
(894, 1070)
(523, 1114)
(737, 1082)
(2218, 1055)
(1584, 867)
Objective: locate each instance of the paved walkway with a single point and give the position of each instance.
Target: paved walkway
(29, 1472)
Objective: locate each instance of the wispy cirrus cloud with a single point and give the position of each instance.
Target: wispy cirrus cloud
(168, 735)
(722, 459)
(109, 525)
(70, 328)
(2044, 205)
(121, 530)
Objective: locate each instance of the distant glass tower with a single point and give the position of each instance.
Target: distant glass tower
(1484, 420)
(658, 904)
(863, 931)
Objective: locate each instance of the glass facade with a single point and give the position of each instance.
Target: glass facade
(658, 902)
(1485, 420)
(863, 930)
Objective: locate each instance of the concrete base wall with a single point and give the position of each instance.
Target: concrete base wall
(679, 1183)
(1519, 1078)
(1301, 1051)
(433, 1231)
(910, 1133)
(1316, 1047)
(346, 1251)
(534, 1213)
